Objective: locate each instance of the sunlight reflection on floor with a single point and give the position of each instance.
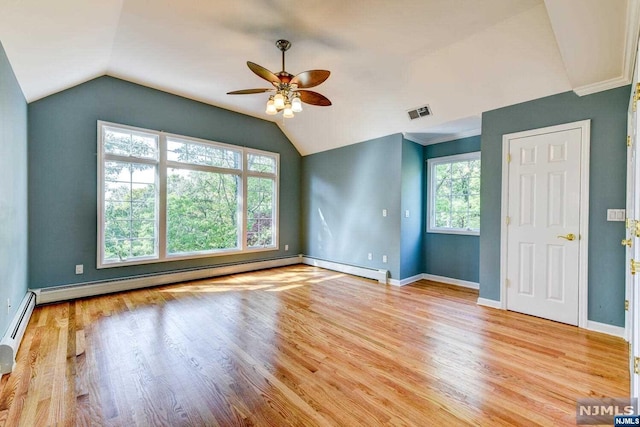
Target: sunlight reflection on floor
(277, 283)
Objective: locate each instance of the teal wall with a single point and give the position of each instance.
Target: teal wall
(13, 192)
(62, 172)
(452, 255)
(608, 113)
(344, 193)
(411, 235)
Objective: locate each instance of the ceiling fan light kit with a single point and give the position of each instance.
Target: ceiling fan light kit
(289, 90)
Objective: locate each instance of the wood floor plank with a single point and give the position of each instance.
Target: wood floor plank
(303, 346)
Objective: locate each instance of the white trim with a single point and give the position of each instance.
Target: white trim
(602, 86)
(616, 331)
(13, 336)
(629, 57)
(585, 127)
(406, 281)
(489, 303)
(451, 281)
(89, 289)
(504, 211)
(370, 273)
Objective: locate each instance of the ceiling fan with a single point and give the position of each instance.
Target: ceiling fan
(290, 91)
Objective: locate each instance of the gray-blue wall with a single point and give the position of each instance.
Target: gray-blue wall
(62, 172)
(452, 255)
(13, 192)
(608, 113)
(344, 193)
(411, 227)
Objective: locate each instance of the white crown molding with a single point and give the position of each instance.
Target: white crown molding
(602, 86)
(630, 50)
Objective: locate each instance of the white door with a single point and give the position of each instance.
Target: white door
(632, 241)
(543, 233)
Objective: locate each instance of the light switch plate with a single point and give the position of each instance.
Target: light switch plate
(616, 214)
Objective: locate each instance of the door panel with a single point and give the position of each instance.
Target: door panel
(544, 196)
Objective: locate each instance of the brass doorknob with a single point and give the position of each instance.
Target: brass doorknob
(626, 242)
(569, 237)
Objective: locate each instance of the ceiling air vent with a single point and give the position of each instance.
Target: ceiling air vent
(416, 113)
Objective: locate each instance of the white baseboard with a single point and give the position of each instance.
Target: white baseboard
(369, 273)
(616, 331)
(82, 290)
(451, 281)
(406, 281)
(489, 303)
(13, 336)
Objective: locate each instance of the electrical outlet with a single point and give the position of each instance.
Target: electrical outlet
(384, 212)
(80, 269)
(370, 256)
(384, 258)
(286, 247)
(406, 213)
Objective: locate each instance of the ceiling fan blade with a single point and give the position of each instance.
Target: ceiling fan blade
(248, 91)
(314, 98)
(310, 78)
(263, 72)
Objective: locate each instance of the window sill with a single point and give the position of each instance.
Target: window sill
(458, 232)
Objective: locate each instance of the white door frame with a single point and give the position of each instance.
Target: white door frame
(583, 241)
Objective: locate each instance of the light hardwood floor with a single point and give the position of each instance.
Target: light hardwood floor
(303, 346)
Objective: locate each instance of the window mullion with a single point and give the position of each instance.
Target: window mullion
(128, 159)
(199, 168)
(162, 199)
(244, 202)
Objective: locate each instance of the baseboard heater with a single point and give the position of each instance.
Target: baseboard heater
(369, 273)
(89, 289)
(11, 341)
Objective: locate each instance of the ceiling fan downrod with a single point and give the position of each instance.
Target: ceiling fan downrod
(284, 46)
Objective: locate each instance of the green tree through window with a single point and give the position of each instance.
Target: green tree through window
(454, 194)
(169, 197)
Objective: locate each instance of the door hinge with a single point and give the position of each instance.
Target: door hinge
(626, 305)
(508, 157)
(628, 140)
(507, 220)
(636, 96)
(636, 365)
(634, 226)
(635, 265)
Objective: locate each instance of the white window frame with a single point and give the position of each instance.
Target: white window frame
(431, 197)
(161, 206)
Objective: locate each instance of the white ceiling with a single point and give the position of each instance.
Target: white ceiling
(462, 57)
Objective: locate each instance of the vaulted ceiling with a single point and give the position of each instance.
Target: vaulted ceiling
(461, 57)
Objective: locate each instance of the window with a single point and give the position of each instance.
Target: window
(165, 197)
(454, 194)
